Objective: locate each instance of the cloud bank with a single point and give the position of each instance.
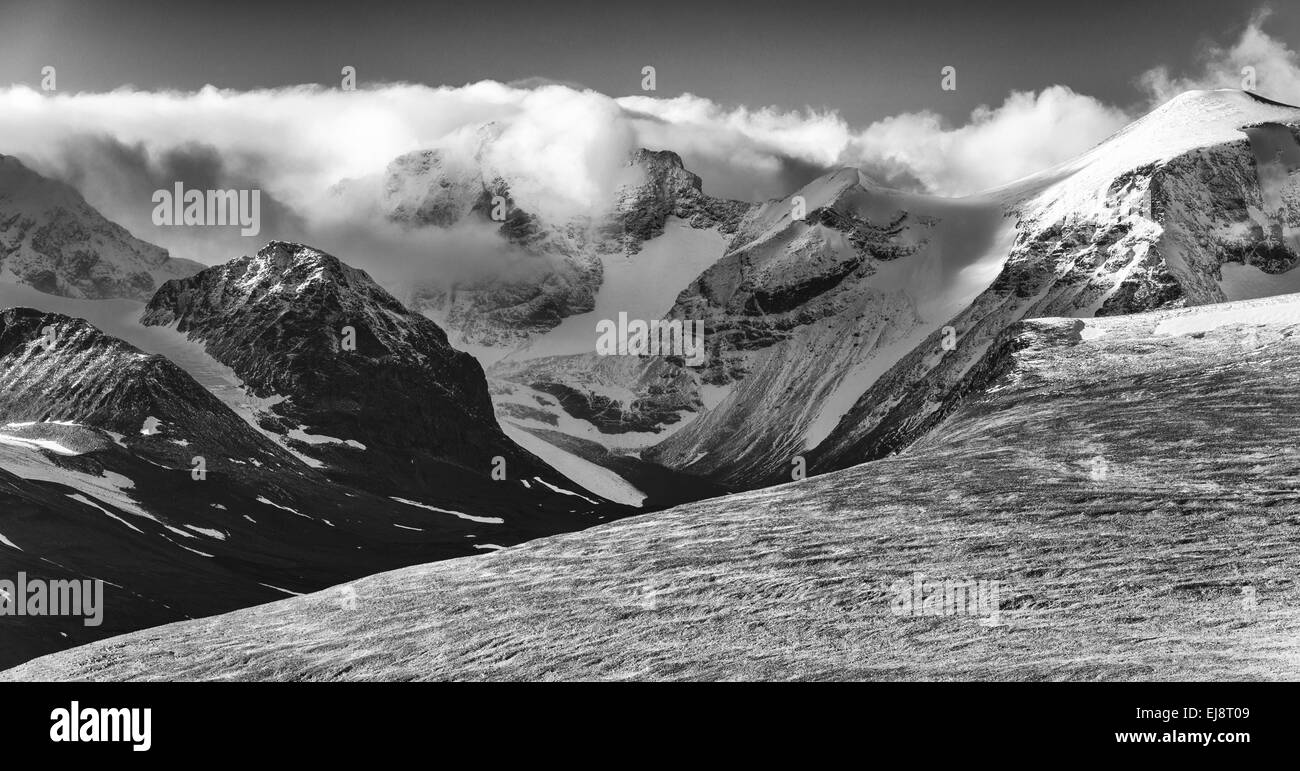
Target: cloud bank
(1276, 68)
(561, 147)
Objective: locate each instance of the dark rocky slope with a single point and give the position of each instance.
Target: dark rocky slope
(1129, 482)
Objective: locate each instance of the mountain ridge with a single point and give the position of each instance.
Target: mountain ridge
(1095, 450)
(53, 240)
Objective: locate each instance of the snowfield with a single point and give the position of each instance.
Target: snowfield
(590, 476)
(642, 285)
(1132, 495)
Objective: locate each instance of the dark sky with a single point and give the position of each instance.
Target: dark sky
(866, 59)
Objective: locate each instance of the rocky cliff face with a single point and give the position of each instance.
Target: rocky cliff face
(54, 241)
(564, 269)
(62, 370)
(374, 389)
(840, 336)
(664, 188)
(1187, 206)
(802, 309)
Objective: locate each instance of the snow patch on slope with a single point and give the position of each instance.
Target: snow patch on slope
(462, 515)
(120, 319)
(79, 498)
(642, 285)
(28, 462)
(584, 473)
(38, 444)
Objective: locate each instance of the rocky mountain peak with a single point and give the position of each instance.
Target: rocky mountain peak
(288, 268)
(666, 189)
(665, 170)
(336, 355)
(54, 241)
(330, 307)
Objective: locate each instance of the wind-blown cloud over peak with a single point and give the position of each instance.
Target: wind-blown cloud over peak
(1274, 67)
(1026, 133)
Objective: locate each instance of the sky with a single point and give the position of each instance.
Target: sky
(758, 98)
(866, 60)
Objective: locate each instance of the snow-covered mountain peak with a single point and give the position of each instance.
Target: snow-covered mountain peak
(664, 169)
(837, 189)
(335, 355)
(844, 291)
(432, 187)
(53, 240)
(320, 290)
(283, 266)
(664, 188)
(290, 273)
(1187, 122)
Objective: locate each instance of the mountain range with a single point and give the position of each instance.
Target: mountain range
(827, 330)
(1125, 484)
(917, 358)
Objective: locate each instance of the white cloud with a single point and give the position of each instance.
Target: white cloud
(560, 147)
(1027, 133)
(303, 140)
(1277, 67)
(700, 126)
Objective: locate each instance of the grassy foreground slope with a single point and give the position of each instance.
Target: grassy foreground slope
(1132, 483)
